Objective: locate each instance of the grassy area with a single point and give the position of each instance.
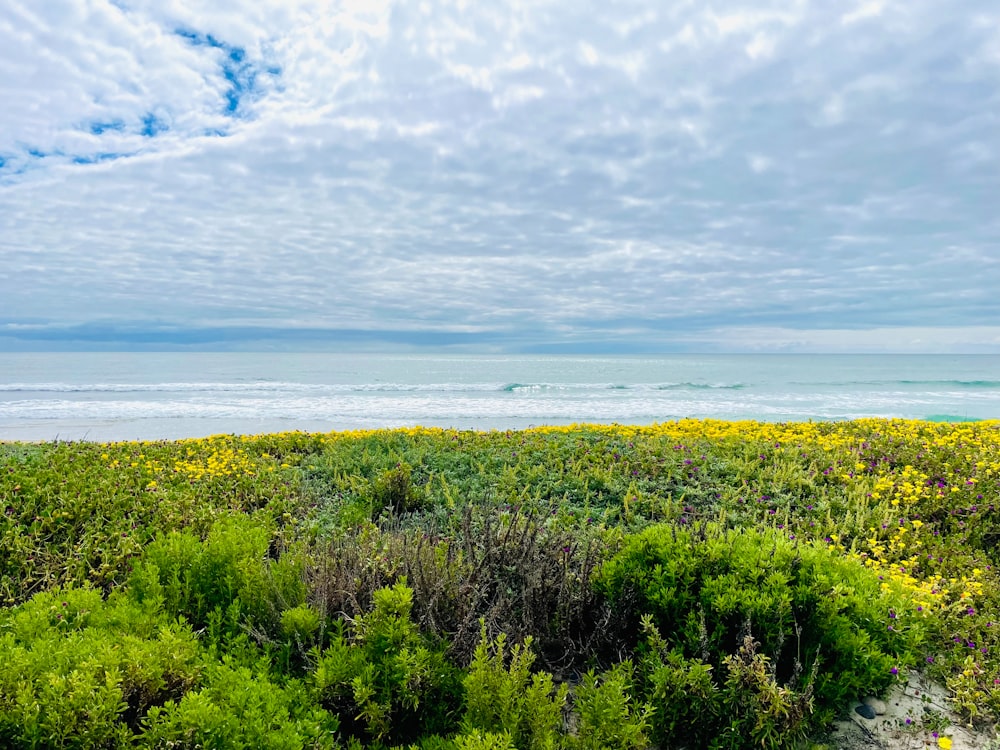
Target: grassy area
(689, 584)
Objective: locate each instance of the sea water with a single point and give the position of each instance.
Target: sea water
(112, 396)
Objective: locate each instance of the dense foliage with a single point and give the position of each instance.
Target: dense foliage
(692, 584)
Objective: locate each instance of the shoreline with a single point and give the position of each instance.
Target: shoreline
(170, 430)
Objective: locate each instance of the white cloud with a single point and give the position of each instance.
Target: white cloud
(545, 169)
(895, 340)
(865, 10)
(759, 164)
(760, 47)
(744, 21)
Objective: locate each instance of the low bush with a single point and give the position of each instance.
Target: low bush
(76, 671)
(383, 679)
(524, 573)
(504, 699)
(195, 578)
(239, 708)
(609, 716)
(738, 626)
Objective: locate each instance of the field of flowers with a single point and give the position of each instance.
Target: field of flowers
(696, 584)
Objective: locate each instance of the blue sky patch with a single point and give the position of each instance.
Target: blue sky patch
(153, 125)
(99, 128)
(95, 158)
(237, 68)
(198, 39)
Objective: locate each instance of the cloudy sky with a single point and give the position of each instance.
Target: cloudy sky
(531, 175)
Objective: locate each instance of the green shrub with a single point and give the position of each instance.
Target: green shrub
(195, 577)
(76, 671)
(822, 624)
(503, 697)
(609, 717)
(300, 623)
(394, 491)
(228, 571)
(382, 678)
(239, 709)
(758, 711)
(682, 688)
(478, 740)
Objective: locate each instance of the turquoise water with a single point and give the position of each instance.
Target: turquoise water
(170, 395)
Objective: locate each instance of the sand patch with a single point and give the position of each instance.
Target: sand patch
(925, 704)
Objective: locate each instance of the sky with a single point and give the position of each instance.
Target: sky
(536, 176)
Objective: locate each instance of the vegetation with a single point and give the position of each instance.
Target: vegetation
(694, 584)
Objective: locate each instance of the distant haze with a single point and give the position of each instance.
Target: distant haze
(564, 176)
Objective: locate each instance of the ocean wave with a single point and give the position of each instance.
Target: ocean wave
(424, 409)
(247, 388)
(542, 387)
(952, 383)
(701, 386)
(896, 383)
(266, 386)
(254, 413)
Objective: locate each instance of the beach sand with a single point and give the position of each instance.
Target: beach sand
(926, 704)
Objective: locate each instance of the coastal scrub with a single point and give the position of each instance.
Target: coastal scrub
(695, 583)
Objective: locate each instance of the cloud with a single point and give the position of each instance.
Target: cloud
(540, 174)
(896, 340)
(865, 10)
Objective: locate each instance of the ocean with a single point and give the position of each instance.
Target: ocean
(148, 396)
